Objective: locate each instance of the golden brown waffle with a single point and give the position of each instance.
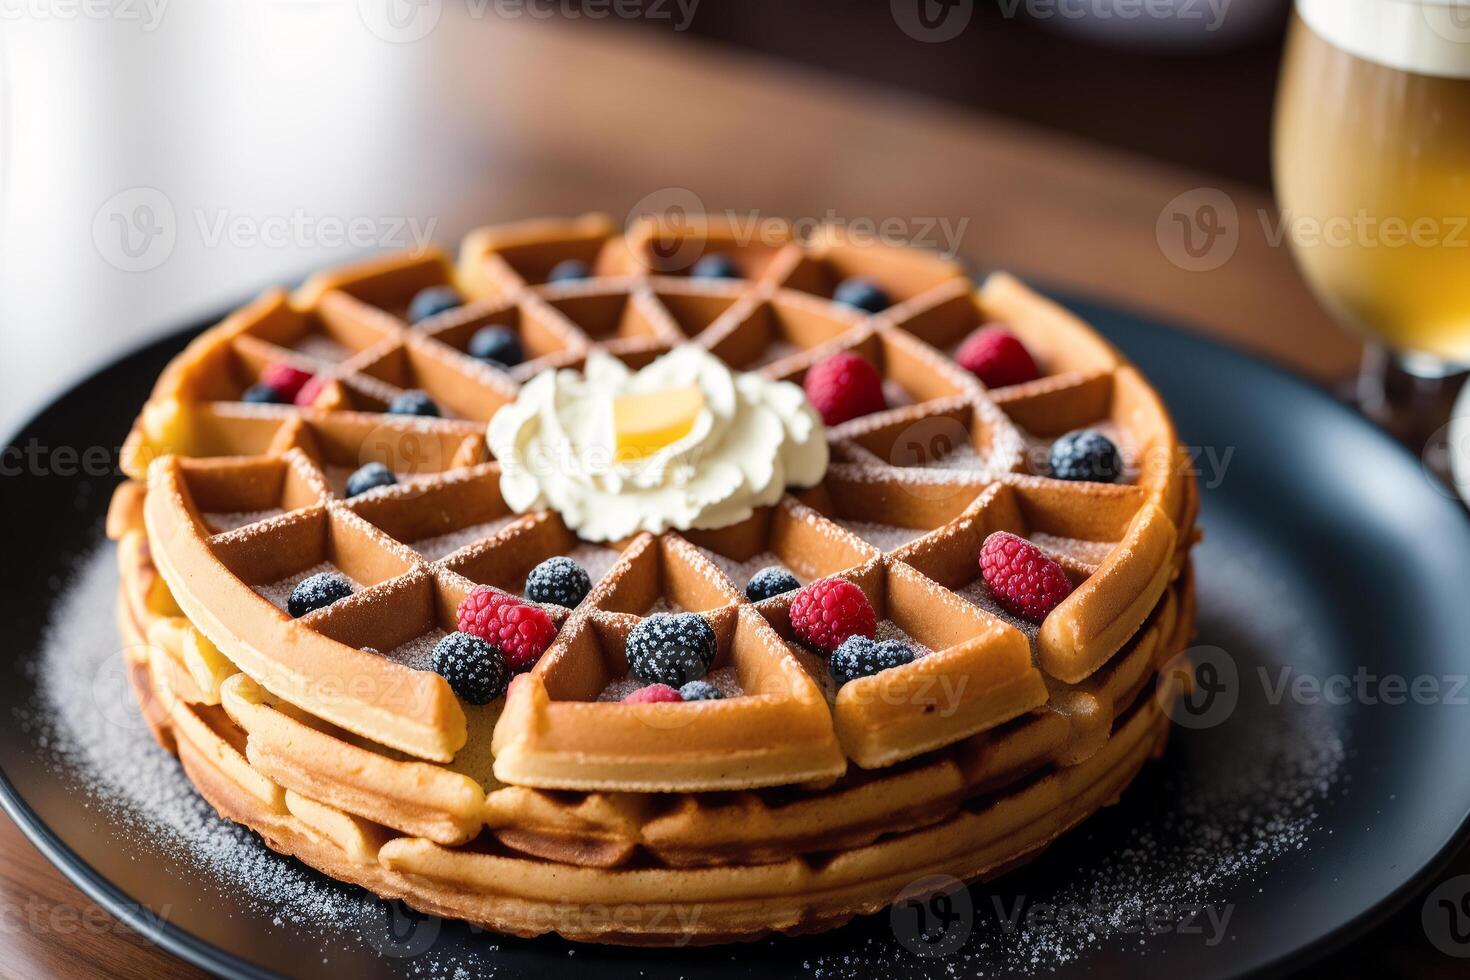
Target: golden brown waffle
(328, 736)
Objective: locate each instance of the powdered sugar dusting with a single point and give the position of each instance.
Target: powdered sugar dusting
(885, 537)
(1086, 552)
(889, 630)
(417, 653)
(725, 680)
(596, 560)
(279, 593)
(443, 545)
(220, 523)
(741, 572)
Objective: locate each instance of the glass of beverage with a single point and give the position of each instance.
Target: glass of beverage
(1372, 164)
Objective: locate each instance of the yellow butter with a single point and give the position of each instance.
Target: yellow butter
(644, 424)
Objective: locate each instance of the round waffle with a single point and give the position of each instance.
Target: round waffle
(791, 806)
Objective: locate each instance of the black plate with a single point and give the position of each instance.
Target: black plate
(1327, 550)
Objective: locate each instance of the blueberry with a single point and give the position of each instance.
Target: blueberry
(567, 270)
(370, 477)
(700, 691)
(671, 649)
(865, 294)
(770, 582)
(716, 266)
(433, 301)
(1086, 455)
(264, 395)
(475, 669)
(559, 581)
(498, 345)
(317, 592)
(861, 657)
(413, 403)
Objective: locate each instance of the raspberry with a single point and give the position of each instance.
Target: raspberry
(826, 613)
(671, 649)
(476, 670)
(520, 631)
(310, 392)
(286, 379)
(997, 358)
(1023, 579)
(861, 657)
(653, 694)
(770, 582)
(844, 386)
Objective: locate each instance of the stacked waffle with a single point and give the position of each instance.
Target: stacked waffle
(791, 804)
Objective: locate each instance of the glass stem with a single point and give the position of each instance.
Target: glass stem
(1410, 397)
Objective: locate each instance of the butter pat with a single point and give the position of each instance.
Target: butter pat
(646, 423)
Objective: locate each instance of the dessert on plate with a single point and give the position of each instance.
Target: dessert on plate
(655, 586)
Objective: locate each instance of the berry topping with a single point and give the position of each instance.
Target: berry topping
(567, 270)
(861, 657)
(559, 581)
(770, 582)
(700, 691)
(844, 386)
(716, 266)
(996, 357)
(498, 345)
(671, 649)
(413, 403)
(1086, 455)
(653, 694)
(433, 301)
(370, 477)
(476, 670)
(317, 592)
(520, 631)
(1023, 579)
(263, 395)
(286, 379)
(310, 392)
(826, 613)
(865, 294)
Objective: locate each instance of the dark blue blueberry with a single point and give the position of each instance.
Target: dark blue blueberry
(433, 301)
(317, 592)
(413, 403)
(671, 649)
(370, 477)
(700, 691)
(264, 395)
(861, 657)
(559, 581)
(716, 266)
(865, 294)
(1086, 455)
(475, 669)
(498, 345)
(567, 270)
(769, 582)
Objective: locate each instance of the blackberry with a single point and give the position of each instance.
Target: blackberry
(264, 395)
(317, 592)
(861, 657)
(769, 582)
(475, 669)
(433, 301)
(559, 581)
(1086, 455)
(671, 649)
(865, 294)
(370, 477)
(716, 266)
(498, 345)
(700, 691)
(413, 403)
(567, 270)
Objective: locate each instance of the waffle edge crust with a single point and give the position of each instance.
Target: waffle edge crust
(789, 806)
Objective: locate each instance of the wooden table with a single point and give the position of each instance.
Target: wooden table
(600, 117)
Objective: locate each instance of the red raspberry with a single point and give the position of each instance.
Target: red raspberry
(286, 379)
(844, 386)
(997, 358)
(825, 613)
(310, 392)
(653, 694)
(1023, 579)
(522, 632)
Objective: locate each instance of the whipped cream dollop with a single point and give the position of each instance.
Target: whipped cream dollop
(748, 439)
